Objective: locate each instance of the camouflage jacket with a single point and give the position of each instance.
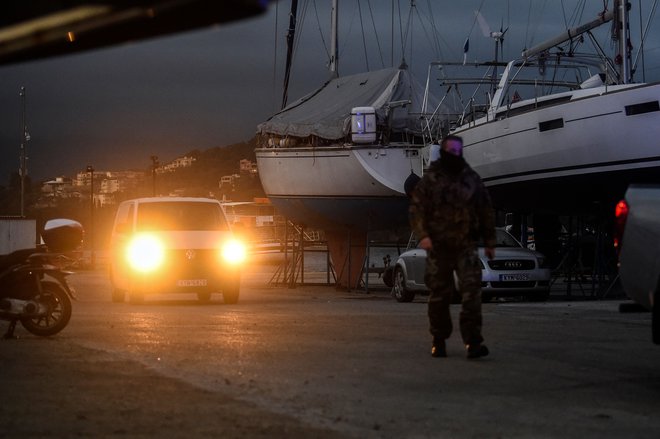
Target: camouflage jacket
(454, 210)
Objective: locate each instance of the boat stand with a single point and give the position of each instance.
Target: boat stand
(297, 242)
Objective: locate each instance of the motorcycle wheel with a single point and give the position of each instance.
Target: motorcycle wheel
(58, 311)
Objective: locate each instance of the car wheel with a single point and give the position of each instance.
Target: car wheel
(399, 290)
(204, 297)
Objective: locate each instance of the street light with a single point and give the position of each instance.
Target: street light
(90, 169)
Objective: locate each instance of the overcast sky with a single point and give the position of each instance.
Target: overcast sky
(114, 108)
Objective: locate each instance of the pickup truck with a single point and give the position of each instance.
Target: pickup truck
(637, 240)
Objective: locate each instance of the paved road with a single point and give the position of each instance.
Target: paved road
(315, 362)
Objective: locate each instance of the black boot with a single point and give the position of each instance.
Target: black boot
(439, 348)
(476, 351)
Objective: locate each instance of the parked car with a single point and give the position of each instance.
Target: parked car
(515, 271)
(637, 232)
(174, 244)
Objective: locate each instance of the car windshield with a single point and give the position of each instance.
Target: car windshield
(188, 215)
(504, 239)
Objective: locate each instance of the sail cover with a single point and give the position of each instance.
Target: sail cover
(326, 112)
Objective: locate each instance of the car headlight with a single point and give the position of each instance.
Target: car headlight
(541, 261)
(234, 252)
(145, 253)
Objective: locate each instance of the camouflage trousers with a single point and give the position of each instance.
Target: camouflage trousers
(439, 278)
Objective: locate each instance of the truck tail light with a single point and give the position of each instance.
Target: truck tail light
(620, 216)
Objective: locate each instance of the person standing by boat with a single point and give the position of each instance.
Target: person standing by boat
(450, 211)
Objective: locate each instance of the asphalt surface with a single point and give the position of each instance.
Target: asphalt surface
(316, 362)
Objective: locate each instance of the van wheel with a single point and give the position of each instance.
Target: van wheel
(230, 294)
(204, 297)
(118, 295)
(232, 290)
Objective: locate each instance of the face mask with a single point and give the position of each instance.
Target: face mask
(450, 162)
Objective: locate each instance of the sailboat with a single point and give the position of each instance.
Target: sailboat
(339, 158)
(560, 131)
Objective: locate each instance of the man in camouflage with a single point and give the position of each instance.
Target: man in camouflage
(450, 211)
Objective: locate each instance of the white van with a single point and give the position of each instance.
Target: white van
(174, 244)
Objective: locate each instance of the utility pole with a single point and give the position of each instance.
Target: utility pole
(25, 137)
(90, 169)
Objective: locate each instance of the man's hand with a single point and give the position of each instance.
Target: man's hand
(426, 243)
(490, 253)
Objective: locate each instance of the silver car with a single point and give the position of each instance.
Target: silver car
(515, 271)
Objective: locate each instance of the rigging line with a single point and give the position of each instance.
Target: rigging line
(408, 32)
(529, 20)
(274, 92)
(531, 43)
(300, 28)
(403, 51)
(300, 25)
(426, 33)
(434, 30)
(474, 22)
(392, 36)
(563, 13)
(373, 23)
(290, 38)
(318, 24)
(346, 40)
(644, 35)
(364, 40)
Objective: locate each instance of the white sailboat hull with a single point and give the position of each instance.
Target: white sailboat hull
(588, 149)
(340, 186)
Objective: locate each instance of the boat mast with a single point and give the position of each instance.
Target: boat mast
(622, 34)
(289, 49)
(334, 51)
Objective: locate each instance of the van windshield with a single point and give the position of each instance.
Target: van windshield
(168, 216)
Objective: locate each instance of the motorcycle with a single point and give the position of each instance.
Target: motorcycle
(33, 286)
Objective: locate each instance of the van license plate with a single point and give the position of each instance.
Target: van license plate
(514, 277)
(191, 283)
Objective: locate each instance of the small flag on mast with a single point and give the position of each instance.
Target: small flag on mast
(466, 47)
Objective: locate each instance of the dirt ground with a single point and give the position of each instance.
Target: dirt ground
(54, 389)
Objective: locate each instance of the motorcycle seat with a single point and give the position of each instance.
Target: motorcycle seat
(15, 258)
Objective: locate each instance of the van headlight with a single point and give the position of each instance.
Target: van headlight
(234, 252)
(145, 253)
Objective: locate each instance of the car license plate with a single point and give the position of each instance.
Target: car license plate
(514, 277)
(191, 283)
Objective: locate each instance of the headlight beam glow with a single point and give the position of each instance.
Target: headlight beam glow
(234, 252)
(145, 253)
